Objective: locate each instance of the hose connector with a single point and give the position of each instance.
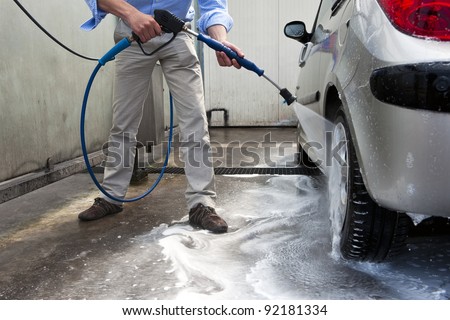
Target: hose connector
(119, 47)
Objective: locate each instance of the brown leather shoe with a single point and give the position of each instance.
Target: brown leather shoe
(99, 209)
(207, 218)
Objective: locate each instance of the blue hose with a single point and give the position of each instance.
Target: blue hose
(108, 57)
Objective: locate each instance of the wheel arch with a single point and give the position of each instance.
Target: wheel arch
(332, 102)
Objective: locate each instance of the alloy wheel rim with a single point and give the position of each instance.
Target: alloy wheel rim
(338, 182)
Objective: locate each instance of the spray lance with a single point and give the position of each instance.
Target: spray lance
(171, 23)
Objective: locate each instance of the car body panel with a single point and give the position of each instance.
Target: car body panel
(403, 153)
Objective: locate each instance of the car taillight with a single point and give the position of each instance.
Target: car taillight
(420, 18)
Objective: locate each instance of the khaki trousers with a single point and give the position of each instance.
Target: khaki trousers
(182, 72)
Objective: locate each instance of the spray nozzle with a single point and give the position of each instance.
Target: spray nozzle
(288, 97)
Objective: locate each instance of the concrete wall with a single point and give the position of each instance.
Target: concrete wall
(42, 85)
(258, 31)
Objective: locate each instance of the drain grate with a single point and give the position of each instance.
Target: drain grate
(304, 171)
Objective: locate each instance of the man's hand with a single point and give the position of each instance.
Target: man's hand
(219, 33)
(143, 25)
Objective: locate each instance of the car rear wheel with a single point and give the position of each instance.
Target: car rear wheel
(362, 230)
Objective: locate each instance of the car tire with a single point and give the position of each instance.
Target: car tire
(362, 230)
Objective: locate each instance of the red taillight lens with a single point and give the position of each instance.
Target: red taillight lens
(420, 18)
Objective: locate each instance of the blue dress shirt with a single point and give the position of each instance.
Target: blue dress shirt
(211, 12)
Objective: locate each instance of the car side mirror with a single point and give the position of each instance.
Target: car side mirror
(297, 30)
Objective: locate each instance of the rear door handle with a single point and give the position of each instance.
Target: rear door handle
(304, 54)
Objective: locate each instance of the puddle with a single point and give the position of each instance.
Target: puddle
(278, 247)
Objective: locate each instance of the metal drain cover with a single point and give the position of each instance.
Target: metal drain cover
(235, 171)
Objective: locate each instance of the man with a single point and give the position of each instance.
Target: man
(182, 72)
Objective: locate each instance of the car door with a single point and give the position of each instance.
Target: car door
(317, 60)
(318, 56)
(309, 62)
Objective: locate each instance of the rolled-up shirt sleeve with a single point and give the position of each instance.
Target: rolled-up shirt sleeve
(213, 12)
(97, 15)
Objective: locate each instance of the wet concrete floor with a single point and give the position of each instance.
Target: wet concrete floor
(43, 245)
(278, 245)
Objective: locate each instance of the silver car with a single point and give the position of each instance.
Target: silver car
(379, 70)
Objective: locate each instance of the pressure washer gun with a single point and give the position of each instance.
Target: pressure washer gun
(171, 23)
